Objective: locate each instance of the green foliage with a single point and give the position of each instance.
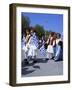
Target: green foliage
(25, 21)
(40, 30)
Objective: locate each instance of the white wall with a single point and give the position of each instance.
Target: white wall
(4, 45)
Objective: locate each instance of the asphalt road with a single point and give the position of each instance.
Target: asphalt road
(42, 68)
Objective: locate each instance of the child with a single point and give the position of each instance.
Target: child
(50, 48)
(59, 48)
(59, 51)
(25, 47)
(33, 45)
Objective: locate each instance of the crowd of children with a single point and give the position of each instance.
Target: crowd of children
(52, 46)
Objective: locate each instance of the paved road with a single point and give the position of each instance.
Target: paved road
(43, 69)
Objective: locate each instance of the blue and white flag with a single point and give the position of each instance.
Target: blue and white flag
(34, 40)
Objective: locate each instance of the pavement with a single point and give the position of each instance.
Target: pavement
(42, 68)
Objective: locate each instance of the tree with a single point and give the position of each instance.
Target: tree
(40, 30)
(25, 23)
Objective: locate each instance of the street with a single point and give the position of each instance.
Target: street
(43, 68)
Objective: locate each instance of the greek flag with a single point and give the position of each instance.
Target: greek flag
(34, 40)
(42, 51)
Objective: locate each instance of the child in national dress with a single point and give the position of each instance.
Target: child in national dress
(33, 45)
(25, 46)
(51, 44)
(59, 48)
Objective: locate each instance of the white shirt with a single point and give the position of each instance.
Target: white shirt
(57, 41)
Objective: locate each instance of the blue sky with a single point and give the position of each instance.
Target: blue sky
(53, 22)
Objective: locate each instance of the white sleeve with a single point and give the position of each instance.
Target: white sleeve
(54, 43)
(47, 41)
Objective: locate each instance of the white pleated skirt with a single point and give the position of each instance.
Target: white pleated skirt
(32, 50)
(50, 49)
(50, 52)
(25, 48)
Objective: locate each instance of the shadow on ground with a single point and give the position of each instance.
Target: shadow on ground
(26, 71)
(28, 68)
